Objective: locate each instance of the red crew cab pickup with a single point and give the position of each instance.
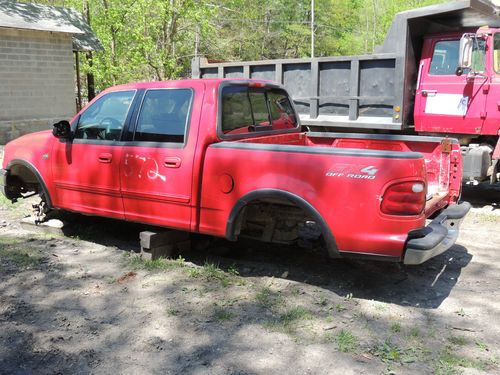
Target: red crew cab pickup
(228, 158)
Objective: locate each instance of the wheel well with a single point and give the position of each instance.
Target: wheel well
(278, 216)
(22, 179)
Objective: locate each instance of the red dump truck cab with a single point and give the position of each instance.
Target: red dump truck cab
(228, 158)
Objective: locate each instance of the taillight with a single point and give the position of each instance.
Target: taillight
(404, 198)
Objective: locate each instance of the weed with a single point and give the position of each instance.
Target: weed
(211, 271)
(388, 352)
(461, 313)
(450, 364)
(172, 312)
(458, 340)
(346, 341)
(348, 297)
(222, 315)
(286, 321)
(21, 256)
(396, 327)
(339, 307)
(267, 298)
(482, 346)
(232, 270)
(137, 262)
(414, 333)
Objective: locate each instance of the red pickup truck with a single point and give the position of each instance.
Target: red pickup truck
(228, 158)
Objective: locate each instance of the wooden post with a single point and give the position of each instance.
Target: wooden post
(78, 88)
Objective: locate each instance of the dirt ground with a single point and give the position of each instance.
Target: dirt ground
(84, 303)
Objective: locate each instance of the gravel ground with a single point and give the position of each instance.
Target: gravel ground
(83, 302)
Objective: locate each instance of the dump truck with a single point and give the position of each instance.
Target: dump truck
(437, 73)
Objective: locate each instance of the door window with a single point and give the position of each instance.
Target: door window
(105, 118)
(496, 52)
(446, 55)
(164, 116)
(247, 109)
(445, 58)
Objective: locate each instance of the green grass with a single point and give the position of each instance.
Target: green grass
(346, 341)
(458, 340)
(14, 251)
(388, 351)
(267, 298)
(396, 327)
(286, 321)
(449, 363)
(138, 263)
(211, 271)
(221, 314)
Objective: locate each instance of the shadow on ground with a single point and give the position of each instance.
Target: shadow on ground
(425, 286)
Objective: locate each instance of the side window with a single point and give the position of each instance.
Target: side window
(164, 116)
(247, 109)
(496, 52)
(445, 58)
(105, 118)
(282, 113)
(479, 55)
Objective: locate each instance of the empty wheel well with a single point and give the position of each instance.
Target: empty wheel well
(22, 179)
(278, 216)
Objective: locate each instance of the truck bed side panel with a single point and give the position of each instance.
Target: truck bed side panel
(330, 180)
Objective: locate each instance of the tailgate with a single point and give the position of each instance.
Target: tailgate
(443, 162)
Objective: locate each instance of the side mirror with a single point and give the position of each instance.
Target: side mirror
(465, 53)
(62, 130)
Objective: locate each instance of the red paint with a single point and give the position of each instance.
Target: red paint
(194, 186)
(482, 116)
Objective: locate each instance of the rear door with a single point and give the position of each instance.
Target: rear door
(157, 160)
(445, 102)
(86, 169)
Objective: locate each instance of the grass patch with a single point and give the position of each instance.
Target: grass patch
(482, 346)
(458, 340)
(13, 251)
(449, 363)
(286, 322)
(211, 271)
(396, 327)
(414, 333)
(222, 315)
(267, 298)
(346, 341)
(172, 312)
(388, 352)
(160, 264)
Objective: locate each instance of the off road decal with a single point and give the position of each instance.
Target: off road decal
(353, 171)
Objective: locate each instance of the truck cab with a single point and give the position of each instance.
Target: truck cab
(464, 101)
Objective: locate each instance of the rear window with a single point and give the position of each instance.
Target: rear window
(250, 109)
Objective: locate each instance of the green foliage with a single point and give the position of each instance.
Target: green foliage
(13, 251)
(156, 39)
(346, 341)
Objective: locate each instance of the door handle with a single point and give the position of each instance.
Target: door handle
(429, 92)
(105, 158)
(172, 162)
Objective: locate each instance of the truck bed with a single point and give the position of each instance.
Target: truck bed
(342, 176)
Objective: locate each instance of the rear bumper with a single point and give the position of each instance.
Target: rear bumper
(3, 181)
(437, 237)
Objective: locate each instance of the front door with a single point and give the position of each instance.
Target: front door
(86, 169)
(444, 101)
(157, 162)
